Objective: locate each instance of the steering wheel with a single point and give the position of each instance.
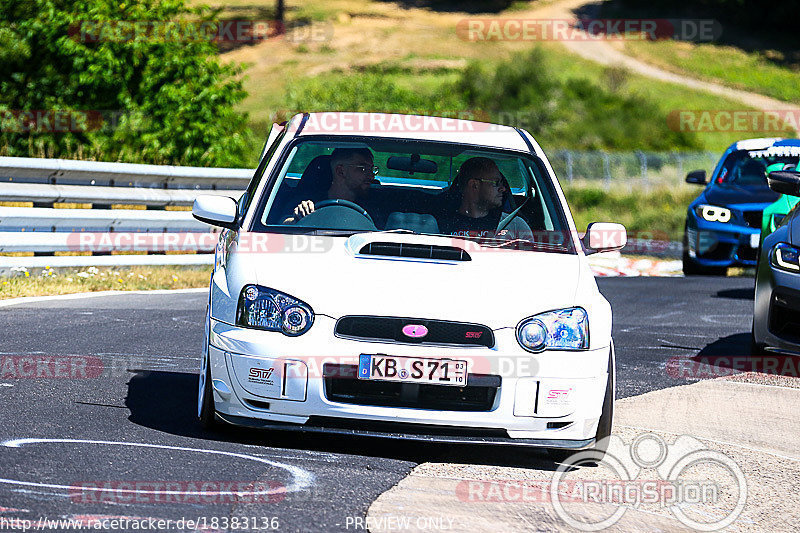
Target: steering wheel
(344, 203)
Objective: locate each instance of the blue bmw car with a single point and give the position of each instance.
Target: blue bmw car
(723, 224)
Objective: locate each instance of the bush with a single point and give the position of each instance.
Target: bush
(172, 100)
(576, 113)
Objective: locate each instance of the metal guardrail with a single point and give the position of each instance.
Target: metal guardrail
(68, 172)
(45, 230)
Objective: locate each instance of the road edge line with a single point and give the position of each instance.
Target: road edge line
(94, 294)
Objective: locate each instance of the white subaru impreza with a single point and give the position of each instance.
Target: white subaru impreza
(407, 277)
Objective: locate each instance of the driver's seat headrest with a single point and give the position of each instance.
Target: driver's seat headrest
(317, 177)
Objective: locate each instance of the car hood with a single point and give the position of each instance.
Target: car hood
(726, 195)
(496, 287)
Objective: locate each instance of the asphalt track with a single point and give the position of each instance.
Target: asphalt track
(132, 419)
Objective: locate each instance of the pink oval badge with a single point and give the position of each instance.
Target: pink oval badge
(415, 331)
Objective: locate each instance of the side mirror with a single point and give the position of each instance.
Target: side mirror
(698, 177)
(215, 210)
(785, 182)
(604, 237)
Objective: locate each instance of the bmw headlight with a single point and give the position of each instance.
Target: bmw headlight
(271, 310)
(785, 257)
(713, 213)
(564, 329)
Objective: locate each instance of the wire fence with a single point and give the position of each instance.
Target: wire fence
(634, 170)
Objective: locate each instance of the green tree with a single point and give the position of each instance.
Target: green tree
(164, 99)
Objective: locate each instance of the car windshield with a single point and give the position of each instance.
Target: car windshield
(497, 198)
(748, 168)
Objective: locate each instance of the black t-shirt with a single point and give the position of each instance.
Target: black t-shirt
(458, 224)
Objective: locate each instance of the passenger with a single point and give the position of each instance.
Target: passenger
(352, 171)
(480, 191)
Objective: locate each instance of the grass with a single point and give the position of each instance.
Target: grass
(669, 97)
(50, 281)
(659, 214)
(751, 71)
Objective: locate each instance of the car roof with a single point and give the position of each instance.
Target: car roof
(763, 143)
(412, 127)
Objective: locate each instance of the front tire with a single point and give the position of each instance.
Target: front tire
(206, 412)
(606, 422)
(756, 348)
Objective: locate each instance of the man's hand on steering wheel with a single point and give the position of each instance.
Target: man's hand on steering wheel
(303, 209)
(306, 207)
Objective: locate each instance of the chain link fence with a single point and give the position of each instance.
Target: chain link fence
(634, 170)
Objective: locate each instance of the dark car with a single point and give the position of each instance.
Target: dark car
(723, 224)
(776, 312)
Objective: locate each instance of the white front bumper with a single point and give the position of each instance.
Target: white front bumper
(554, 386)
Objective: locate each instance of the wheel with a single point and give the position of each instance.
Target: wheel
(607, 416)
(206, 412)
(756, 348)
(606, 419)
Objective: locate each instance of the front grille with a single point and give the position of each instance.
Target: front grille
(390, 329)
(752, 218)
(719, 252)
(342, 385)
(417, 251)
(746, 253)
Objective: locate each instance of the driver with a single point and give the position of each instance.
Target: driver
(353, 171)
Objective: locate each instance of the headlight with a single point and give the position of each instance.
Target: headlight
(564, 329)
(713, 213)
(271, 310)
(785, 257)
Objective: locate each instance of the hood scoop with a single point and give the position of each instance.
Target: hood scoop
(415, 251)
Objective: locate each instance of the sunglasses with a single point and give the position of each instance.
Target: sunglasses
(498, 184)
(365, 169)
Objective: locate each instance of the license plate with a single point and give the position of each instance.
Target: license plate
(754, 238)
(413, 369)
